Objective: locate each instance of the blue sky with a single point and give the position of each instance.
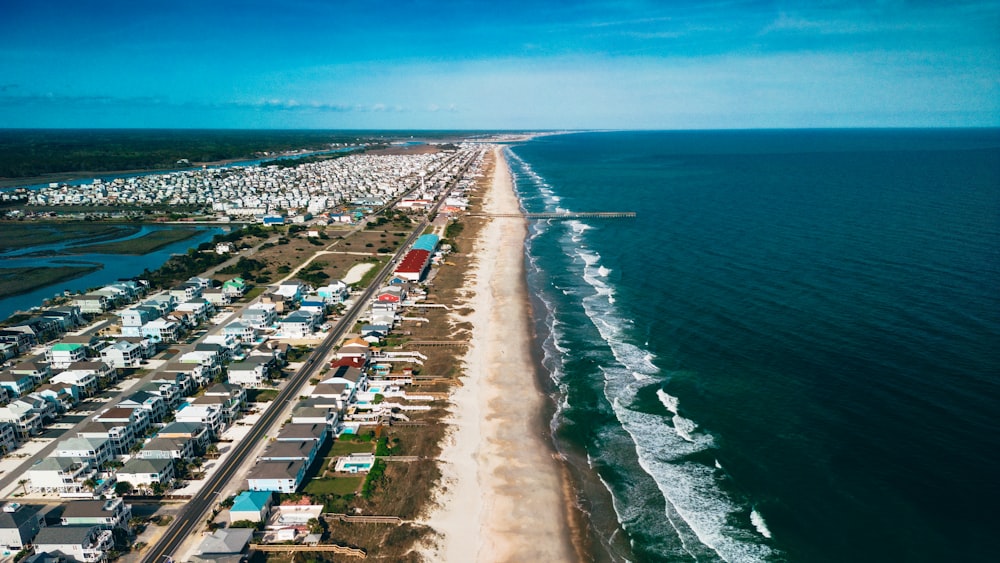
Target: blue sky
(612, 64)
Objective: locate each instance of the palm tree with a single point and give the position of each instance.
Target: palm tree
(24, 485)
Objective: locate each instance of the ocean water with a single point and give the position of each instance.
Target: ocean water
(791, 354)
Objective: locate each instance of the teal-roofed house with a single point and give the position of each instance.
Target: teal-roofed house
(235, 287)
(251, 505)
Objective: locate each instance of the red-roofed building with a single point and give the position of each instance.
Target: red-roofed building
(414, 265)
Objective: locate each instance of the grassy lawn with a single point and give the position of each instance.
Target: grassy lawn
(138, 246)
(335, 486)
(261, 395)
(343, 447)
(253, 293)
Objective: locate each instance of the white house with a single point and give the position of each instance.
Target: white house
(298, 324)
(209, 415)
(122, 354)
(60, 475)
(244, 332)
(277, 476)
(144, 473)
(83, 544)
(251, 372)
(61, 355)
(95, 451)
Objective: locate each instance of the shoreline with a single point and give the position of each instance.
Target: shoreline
(504, 495)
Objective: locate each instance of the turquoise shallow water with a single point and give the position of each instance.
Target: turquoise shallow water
(791, 353)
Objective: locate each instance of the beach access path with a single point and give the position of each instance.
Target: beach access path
(502, 497)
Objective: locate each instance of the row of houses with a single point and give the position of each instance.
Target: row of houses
(82, 531)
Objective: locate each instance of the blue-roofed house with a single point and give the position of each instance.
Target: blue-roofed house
(251, 505)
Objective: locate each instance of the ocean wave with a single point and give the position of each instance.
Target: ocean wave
(758, 522)
(664, 445)
(591, 274)
(688, 487)
(697, 510)
(685, 427)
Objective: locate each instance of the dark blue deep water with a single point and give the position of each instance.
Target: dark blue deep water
(792, 353)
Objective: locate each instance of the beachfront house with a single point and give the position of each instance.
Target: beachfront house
(186, 291)
(163, 303)
(8, 351)
(354, 348)
(138, 316)
(195, 431)
(146, 346)
(251, 505)
(290, 450)
(296, 432)
(304, 413)
(83, 379)
(201, 308)
(227, 545)
(277, 476)
(8, 438)
(292, 291)
(68, 316)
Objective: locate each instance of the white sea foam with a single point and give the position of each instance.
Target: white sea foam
(684, 427)
(758, 522)
(663, 444)
(663, 447)
(668, 400)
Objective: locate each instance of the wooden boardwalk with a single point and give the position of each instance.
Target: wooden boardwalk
(561, 215)
(434, 343)
(395, 520)
(319, 547)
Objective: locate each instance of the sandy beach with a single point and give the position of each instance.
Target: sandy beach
(502, 495)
